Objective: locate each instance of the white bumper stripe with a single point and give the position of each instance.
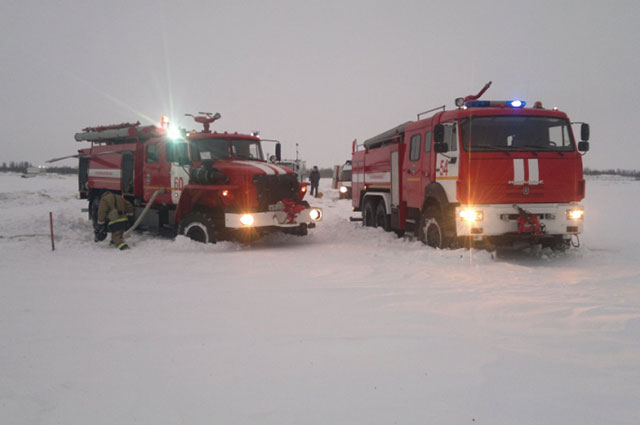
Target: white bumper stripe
(269, 218)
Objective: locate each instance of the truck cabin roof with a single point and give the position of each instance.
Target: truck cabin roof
(225, 135)
(389, 136)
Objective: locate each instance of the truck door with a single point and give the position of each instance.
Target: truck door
(427, 160)
(127, 172)
(177, 155)
(446, 171)
(412, 172)
(156, 172)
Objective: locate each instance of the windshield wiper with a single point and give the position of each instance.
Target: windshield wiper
(504, 149)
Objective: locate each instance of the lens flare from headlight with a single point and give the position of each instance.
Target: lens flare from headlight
(575, 214)
(315, 214)
(343, 189)
(470, 215)
(173, 133)
(246, 220)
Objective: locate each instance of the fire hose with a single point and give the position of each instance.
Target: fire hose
(144, 212)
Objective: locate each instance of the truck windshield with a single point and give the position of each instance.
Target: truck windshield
(203, 149)
(516, 133)
(345, 174)
(247, 149)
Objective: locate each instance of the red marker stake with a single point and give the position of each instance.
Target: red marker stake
(53, 246)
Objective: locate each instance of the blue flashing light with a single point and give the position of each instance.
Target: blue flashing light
(516, 103)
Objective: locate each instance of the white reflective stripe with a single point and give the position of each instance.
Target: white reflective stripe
(104, 172)
(377, 177)
(280, 170)
(534, 176)
(258, 165)
(518, 171)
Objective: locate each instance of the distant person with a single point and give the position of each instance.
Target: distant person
(117, 210)
(314, 178)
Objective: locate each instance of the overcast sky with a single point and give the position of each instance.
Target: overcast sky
(315, 73)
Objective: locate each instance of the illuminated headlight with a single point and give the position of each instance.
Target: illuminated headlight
(471, 215)
(575, 214)
(315, 214)
(343, 189)
(246, 220)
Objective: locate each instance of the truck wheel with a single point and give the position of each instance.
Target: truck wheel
(368, 214)
(382, 219)
(431, 231)
(198, 226)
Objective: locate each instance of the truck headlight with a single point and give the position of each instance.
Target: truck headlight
(471, 215)
(343, 189)
(575, 214)
(315, 214)
(246, 220)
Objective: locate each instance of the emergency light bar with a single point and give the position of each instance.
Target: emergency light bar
(516, 103)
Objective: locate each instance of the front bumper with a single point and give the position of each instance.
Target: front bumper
(502, 220)
(308, 216)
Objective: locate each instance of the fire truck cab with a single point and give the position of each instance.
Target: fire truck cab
(494, 172)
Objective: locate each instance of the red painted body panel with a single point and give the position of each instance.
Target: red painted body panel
(484, 178)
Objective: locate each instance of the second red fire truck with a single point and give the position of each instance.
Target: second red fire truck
(495, 172)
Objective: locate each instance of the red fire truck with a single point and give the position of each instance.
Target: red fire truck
(490, 172)
(205, 185)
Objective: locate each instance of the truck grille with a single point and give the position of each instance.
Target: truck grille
(274, 188)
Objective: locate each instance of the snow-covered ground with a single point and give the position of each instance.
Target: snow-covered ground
(348, 325)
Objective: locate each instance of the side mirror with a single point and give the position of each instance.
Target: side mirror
(438, 133)
(440, 147)
(278, 152)
(584, 132)
(584, 146)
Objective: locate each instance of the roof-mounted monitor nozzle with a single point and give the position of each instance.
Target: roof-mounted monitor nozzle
(205, 118)
(462, 100)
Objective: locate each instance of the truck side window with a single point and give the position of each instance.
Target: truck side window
(451, 137)
(152, 153)
(177, 152)
(427, 142)
(414, 148)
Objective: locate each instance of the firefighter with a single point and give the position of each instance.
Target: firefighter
(314, 178)
(113, 215)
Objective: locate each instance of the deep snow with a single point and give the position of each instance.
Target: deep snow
(348, 325)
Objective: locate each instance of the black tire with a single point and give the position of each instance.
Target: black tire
(431, 231)
(369, 214)
(198, 226)
(382, 219)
